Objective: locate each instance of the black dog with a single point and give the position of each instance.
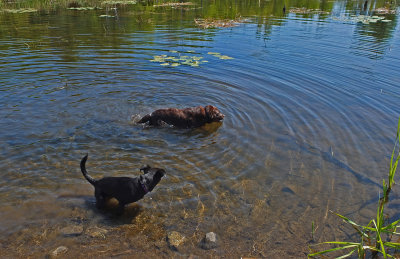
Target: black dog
(124, 189)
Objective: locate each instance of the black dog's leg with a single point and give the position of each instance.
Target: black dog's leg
(121, 207)
(100, 199)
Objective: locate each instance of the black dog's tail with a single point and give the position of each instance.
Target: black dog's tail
(84, 172)
(145, 119)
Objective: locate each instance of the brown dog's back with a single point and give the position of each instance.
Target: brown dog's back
(183, 118)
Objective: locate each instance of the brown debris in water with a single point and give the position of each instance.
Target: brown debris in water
(216, 23)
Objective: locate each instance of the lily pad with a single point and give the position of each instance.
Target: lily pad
(118, 2)
(106, 16)
(21, 10)
(83, 8)
(225, 57)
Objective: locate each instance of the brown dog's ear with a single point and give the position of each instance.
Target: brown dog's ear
(209, 111)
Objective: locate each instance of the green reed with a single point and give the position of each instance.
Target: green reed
(375, 236)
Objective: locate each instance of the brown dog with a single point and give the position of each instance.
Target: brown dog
(184, 118)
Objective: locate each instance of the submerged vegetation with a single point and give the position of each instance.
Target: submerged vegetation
(375, 237)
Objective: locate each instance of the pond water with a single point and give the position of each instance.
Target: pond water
(311, 102)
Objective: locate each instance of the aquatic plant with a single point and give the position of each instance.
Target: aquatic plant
(83, 8)
(218, 55)
(184, 58)
(176, 4)
(20, 10)
(365, 19)
(375, 236)
(217, 23)
(304, 10)
(118, 2)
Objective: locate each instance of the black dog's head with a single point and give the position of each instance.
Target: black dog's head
(213, 114)
(150, 177)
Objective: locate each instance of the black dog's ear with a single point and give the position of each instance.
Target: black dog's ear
(160, 173)
(145, 169)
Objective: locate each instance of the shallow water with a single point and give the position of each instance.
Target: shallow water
(311, 105)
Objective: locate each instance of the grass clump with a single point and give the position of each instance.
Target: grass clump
(376, 237)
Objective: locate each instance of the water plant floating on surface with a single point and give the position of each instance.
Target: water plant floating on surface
(185, 59)
(365, 19)
(173, 4)
(215, 23)
(87, 8)
(175, 61)
(375, 236)
(118, 2)
(20, 10)
(106, 16)
(218, 55)
(304, 10)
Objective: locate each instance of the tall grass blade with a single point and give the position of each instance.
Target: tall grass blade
(333, 249)
(355, 225)
(347, 255)
(379, 239)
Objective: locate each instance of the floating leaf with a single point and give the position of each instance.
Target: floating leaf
(83, 8)
(21, 10)
(120, 2)
(164, 64)
(175, 64)
(225, 57)
(213, 53)
(173, 51)
(386, 20)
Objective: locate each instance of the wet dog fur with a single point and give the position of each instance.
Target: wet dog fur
(184, 118)
(124, 189)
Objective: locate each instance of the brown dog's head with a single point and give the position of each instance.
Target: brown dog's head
(213, 114)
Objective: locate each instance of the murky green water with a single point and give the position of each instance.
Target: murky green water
(311, 103)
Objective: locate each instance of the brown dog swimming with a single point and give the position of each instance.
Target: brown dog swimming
(184, 118)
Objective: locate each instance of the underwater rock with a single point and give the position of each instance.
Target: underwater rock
(72, 230)
(175, 239)
(209, 241)
(58, 251)
(96, 232)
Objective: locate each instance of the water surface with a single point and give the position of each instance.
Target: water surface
(311, 105)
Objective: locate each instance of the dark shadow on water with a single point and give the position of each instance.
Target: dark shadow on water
(109, 213)
(203, 131)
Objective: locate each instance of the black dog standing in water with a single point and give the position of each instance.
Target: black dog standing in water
(125, 189)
